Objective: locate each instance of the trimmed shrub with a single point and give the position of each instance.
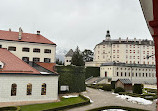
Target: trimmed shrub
(137, 88)
(119, 89)
(113, 84)
(11, 108)
(107, 87)
(92, 71)
(117, 107)
(72, 76)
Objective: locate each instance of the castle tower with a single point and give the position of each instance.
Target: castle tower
(108, 35)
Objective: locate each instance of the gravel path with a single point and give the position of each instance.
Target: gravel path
(103, 98)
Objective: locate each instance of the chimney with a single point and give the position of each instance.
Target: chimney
(127, 39)
(119, 39)
(38, 32)
(10, 29)
(139, 41)
(134, 39)
(150, 42)
(20, 33)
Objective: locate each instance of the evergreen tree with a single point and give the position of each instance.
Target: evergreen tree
(77, 58)
(87, 55)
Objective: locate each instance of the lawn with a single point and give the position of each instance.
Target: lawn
(63, 102)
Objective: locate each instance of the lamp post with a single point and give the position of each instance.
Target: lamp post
(150, 10)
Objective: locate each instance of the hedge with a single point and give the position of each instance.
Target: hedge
(145, 96)
(117, 107)
(73, 76)
(137, 88)
(87, 101)
(107, 87)
(10, 108)
(119, 89)
(92, 71)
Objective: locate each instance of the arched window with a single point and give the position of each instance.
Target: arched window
(29, 89)
(13, 89)
(43, 89)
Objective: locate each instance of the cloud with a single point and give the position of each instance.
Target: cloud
(69, 23)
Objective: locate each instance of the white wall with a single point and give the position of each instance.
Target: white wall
(19, 53)
(22, 80)
(139, 78)
(127, 53)
(67, 61)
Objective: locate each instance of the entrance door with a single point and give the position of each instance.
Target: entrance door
(105, 74)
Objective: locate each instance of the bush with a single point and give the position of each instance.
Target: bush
(11, 108)
(92, 71)
(137, 88)
(107, 87)
(113, 84)
(72, 76)
(119, 89)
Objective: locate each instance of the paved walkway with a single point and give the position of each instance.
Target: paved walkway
(103, 98)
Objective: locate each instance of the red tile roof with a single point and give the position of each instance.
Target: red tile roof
(13, 64)
(26, 37)
(48, 66)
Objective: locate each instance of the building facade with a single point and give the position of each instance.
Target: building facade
(123, 50)
(28, 47)
(21, 82)
(137, 73)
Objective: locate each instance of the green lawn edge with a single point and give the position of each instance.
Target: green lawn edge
(63, 104)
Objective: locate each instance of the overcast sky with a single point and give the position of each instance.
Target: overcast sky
(69, 23)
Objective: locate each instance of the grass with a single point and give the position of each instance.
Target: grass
(45, 106)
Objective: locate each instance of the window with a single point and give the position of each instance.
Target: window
(36, 59)
(117, 74)
(125, 74)
(43, 89)
(36, 50)
(11, 48)
(25, 59)
(29, 89)
(47, 51)
(26, 49)
(0, 46)
(121, 74)
(47, 60)
(13, 89)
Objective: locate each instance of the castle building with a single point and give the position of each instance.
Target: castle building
(125, 59)
(136, 73)
(27, 46)
(123, 50)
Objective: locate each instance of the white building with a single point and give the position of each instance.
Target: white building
(68, 57)
(27, 46)
(123, 50)
(137, 73)
(21, 82)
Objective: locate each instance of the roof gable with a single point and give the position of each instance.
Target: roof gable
(70, 53)
(13, 64)
(26, 37)
(125, 81)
